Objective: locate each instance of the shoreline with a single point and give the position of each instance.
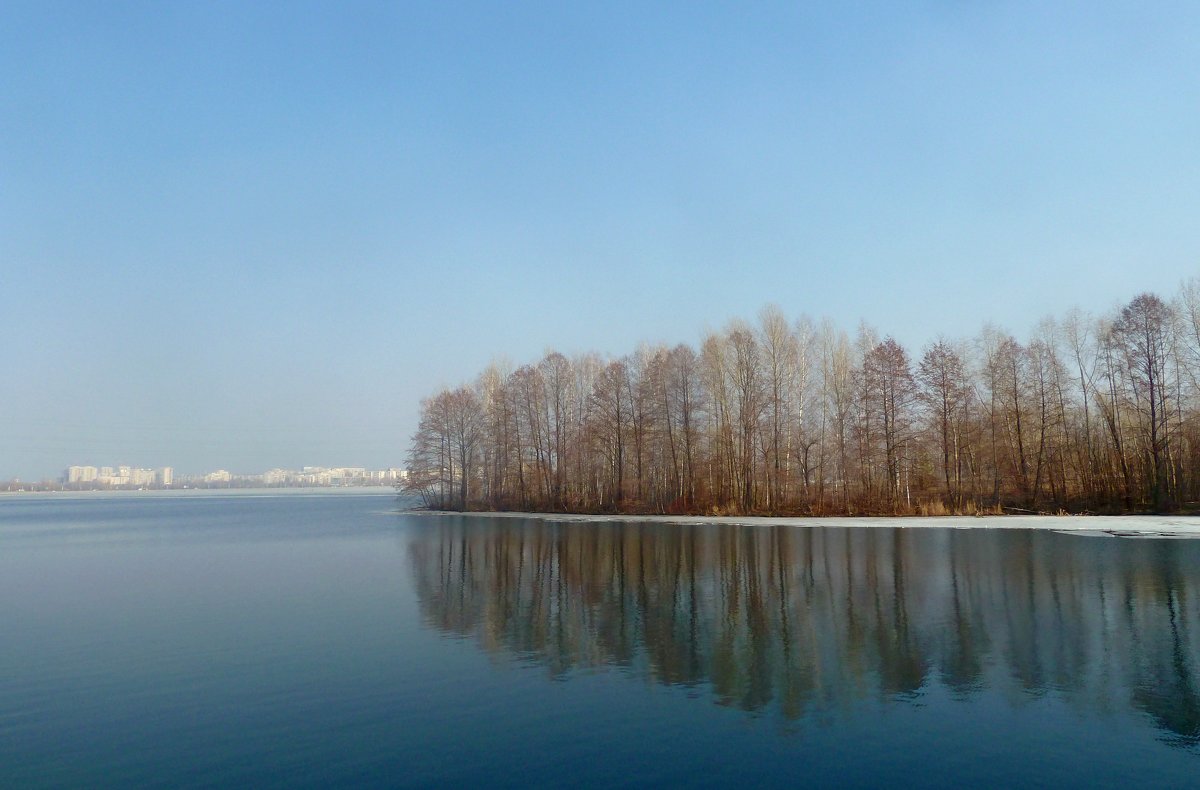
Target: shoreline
(101, 493)
(1113, 526)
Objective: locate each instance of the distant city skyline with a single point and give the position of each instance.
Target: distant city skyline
(119, 475)
(128, 469)
(79, 476)
(248, 235)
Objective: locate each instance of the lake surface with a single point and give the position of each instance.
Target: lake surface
(326, 639)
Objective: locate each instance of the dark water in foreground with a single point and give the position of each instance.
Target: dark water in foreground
(315, 640)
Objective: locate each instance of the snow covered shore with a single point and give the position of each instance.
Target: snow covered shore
(1102, 526)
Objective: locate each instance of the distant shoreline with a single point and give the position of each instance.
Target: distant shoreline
(1124, 525)
(207, 492)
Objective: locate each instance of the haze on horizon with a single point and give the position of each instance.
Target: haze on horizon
(256, 236)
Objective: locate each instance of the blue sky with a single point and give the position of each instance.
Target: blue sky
(247, 235)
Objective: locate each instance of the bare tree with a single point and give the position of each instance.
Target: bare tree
(610, 414)
(444, 449)
(684, 406)
(781, 358)
(430, 462)
(1143, 332)
(716, 378)
(555, 371)
(943, 389)
(1111, 399)
(465, 416)
(890, 390)
(748, 388)
(837, 380)
(1080, 337)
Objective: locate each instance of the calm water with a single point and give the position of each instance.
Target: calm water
(304, 640)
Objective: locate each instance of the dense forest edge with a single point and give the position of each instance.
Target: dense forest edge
(1093, 414)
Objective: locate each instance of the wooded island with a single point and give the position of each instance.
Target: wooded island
(1091, 414)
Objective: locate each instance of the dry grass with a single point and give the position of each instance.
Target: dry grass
(934, 508)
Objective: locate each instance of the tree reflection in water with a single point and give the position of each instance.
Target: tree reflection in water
(812, 620)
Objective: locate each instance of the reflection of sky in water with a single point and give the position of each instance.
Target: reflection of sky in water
(809, 622)
(326, 640)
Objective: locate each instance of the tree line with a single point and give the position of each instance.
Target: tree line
(1089, 414)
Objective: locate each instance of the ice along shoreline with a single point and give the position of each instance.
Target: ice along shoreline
(1112, 526)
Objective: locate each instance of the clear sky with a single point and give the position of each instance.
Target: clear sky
(245, 235)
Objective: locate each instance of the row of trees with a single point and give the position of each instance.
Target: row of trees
(1094, 414)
